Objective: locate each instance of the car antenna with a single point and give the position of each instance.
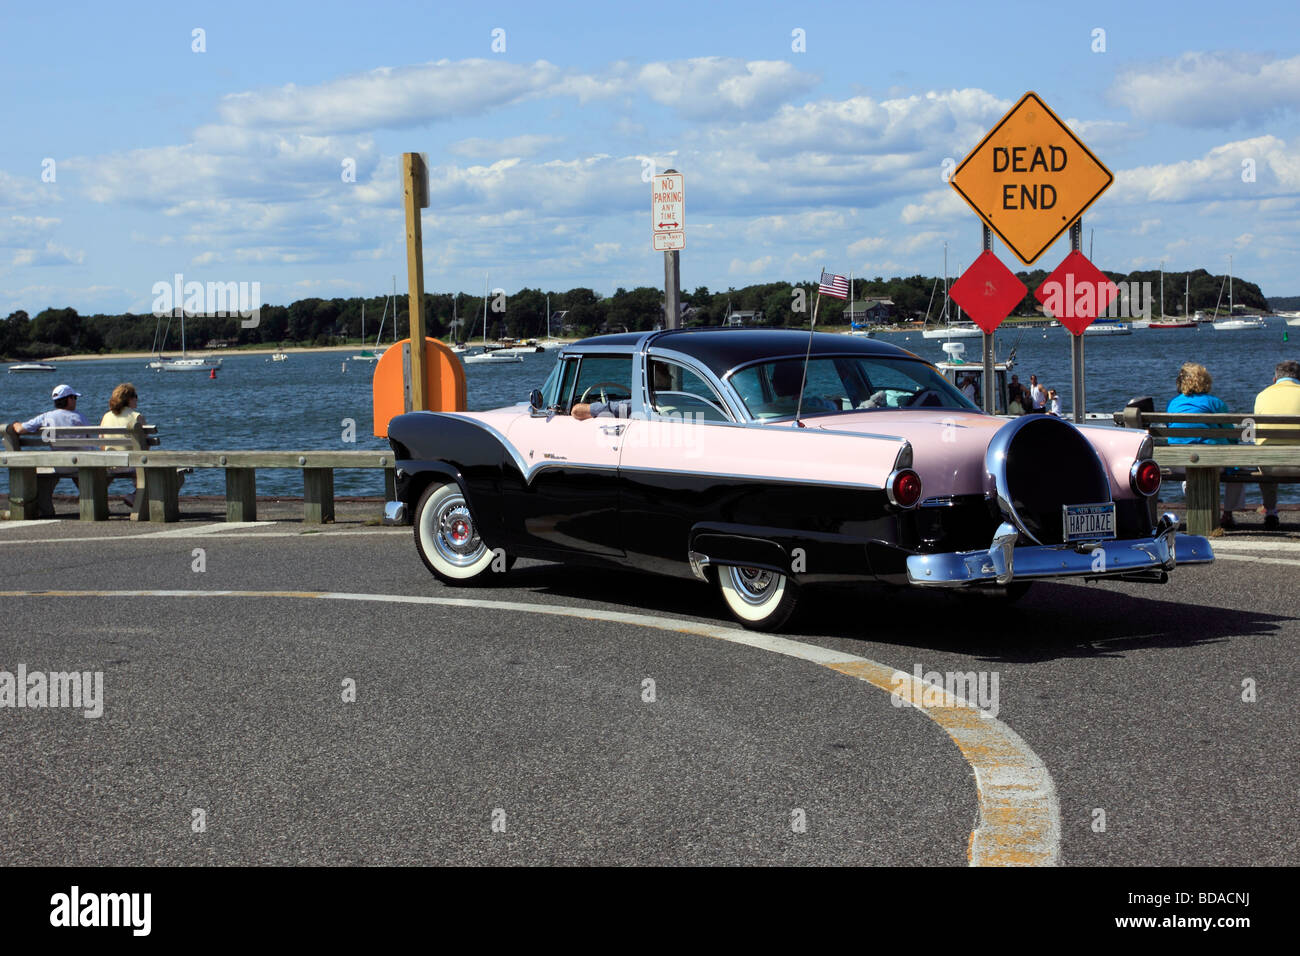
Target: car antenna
(808, 354)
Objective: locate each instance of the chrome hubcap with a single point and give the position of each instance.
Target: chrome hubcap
(754, 586)
(455, 536)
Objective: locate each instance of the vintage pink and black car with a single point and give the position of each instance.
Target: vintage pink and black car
(723, 455)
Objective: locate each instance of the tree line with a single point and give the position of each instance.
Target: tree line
(460, 316)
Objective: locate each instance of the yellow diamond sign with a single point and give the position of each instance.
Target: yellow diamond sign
(1030, 178)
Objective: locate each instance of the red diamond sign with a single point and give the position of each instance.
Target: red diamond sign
(1076, 292)
(988, 291)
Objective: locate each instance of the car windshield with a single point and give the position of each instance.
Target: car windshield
(770, 390)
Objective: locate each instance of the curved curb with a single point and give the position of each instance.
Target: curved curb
(1019, 818)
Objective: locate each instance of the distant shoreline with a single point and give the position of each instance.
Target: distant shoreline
(205, 353)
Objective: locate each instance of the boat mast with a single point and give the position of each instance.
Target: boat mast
(485, 295)
(1187, 298)
(1162, 290)
(1229, 286)
(946, 319)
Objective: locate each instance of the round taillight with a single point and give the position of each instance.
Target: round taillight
(1146, 477)
(905, 488)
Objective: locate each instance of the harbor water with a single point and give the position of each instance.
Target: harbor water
(308, 401)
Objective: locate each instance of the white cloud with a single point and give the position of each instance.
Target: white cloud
(514, 146)
(750, 267)
(938, 205)
(1216, 175)
(708, 87)
(1211, 89)
(51, 255)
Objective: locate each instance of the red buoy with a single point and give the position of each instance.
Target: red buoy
(212, 374)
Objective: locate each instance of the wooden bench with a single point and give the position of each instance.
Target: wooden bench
(31, 488)
(1203, 464)
(162, 485)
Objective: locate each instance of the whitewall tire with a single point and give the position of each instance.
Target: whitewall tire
(447, 537)
(759, 600)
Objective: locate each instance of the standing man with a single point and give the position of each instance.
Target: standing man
(1037, 394)
(1280, 398)
(63, 415)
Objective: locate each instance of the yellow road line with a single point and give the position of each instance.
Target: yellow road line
(1019, 818)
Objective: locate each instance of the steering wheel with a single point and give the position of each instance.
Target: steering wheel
(916, 399)
(603, 396)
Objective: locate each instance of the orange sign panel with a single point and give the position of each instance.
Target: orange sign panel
(1030, 178)
(444, 382)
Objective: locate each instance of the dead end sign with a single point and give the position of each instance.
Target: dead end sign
(1030, 178)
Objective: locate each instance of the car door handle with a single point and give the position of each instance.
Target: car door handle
(612, 429)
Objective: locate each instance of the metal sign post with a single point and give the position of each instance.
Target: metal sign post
(990, 403)
(1076, 341)
(668, 230)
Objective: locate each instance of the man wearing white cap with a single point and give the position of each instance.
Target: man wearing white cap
(64, 414)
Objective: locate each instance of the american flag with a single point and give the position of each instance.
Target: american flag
(837, 286)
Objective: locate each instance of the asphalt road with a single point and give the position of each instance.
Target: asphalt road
(470, 716)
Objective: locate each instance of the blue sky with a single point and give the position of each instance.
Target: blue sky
(226, 165)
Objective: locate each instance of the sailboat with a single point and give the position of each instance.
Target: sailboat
(549, 342)
(486, 357)
(951, 330)
(365, 355)
(1186, 322)
(184, 363)
(460, 348)
(1234, 323)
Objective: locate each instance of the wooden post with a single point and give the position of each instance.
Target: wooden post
(163, 488)
(24, 503)
(92, 489)
(1202, 500)
(241, 494)
(415, 194)
(318, 495)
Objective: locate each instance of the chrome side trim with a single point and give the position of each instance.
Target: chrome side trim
(772, 479)
(698, 563)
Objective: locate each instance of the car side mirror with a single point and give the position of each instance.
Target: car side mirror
(535, 399)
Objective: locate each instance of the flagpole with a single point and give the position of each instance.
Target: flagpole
(807, 355)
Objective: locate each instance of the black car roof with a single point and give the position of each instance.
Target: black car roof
(724, 349)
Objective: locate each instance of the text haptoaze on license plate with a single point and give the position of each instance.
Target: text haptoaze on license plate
(1089, 522)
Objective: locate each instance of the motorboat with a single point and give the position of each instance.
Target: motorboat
(31, 367)
(1107, 327)
(492, 358)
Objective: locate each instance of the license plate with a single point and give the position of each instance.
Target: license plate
(1089, 522)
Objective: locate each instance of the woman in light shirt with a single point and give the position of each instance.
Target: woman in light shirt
(122, 414)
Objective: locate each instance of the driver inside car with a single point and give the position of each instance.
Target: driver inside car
(622, 408)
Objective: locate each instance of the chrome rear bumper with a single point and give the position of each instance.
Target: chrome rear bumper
(1003, 562)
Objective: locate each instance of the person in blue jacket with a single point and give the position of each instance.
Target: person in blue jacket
(1194, 398)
